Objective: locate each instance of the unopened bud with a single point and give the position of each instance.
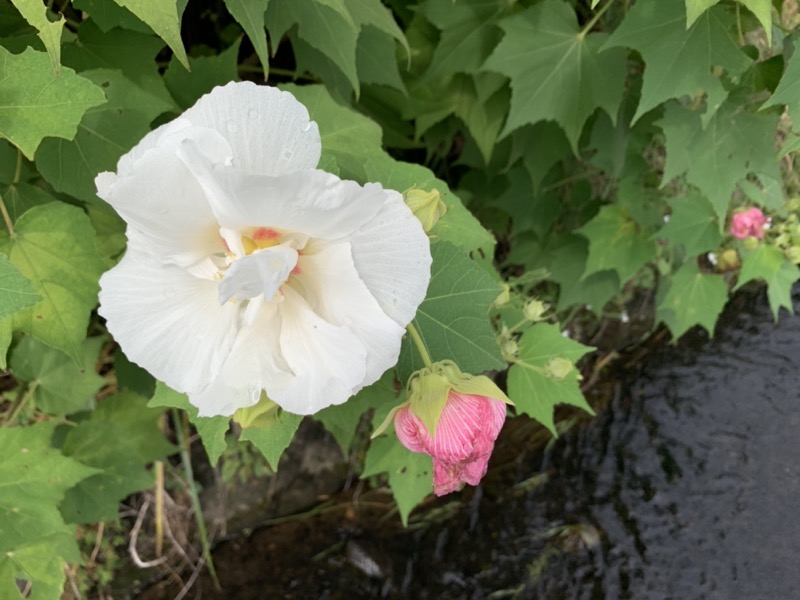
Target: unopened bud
(504, 296)
(534, 310)
(793, 254)
(728, 260)
(558, 368)
(428, 207)
(750, 243)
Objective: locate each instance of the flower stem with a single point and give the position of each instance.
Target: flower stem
(198, 510)
(421, 348)
(7, 218)
(22, 400)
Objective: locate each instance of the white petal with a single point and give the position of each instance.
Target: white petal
(165, 208)
(392, 255)
(255, 363)
(262, 272)
(168, 321)
(269, 130)
(314, 202)
(334, 291)
(328, 361)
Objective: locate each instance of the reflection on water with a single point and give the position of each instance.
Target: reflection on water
(692, 476)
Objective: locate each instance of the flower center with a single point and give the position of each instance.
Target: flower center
(259, 261)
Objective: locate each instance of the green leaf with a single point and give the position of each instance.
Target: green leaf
(131, 52)
(788, 90)
(250, 14)
(35, 13)
(61, 387)
(616, 242)
(325, 25)
(108, 15)
(342, 420)
(33, 479)
(733, 144)
(162, 16)
(104, 135)
(769, 263)
(41, 563)
(19, 197)
(54, 248)
(375, 59)
(760, 8)
(469, 34)
(212, 430)
(410, 474)
(681, 62)
(692, 224)
(6, 331)
(557, 73)
(120, 439)
(694, 298)
(16, 292)
(453, 320)
(272, 435)
(533, 387)
(207, 72)
(35, 103)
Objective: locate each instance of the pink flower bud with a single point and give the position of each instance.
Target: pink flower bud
(748, 223)
(463, 441)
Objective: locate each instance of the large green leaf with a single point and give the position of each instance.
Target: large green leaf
(693, 298)
(762, 9)
(453, 320)
(120, 438)
(769, 263)
(250, 14)
(616, 242)
(61, 387)
(732, 145)
(207, 72)
(410, 474)
(212, 430)
(163, 17)
(16, 292)
(35, 543)
(679, 61)
(692, 224)
(557, 72)
(54, 248)
(35, 13)
(35, 103)
(469, 33)
(131, 52)
(537, 381)
(104, 135)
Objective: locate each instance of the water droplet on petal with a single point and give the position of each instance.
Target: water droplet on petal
(287, 154)
(307, 127)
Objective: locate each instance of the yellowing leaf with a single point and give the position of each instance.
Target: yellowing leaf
(35, 103)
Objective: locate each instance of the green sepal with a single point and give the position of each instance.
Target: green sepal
(427, 393)
(260, 415)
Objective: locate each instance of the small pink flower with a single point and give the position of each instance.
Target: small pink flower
(748, 223)
(464, 438)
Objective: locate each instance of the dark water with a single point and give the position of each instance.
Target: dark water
(686, 487)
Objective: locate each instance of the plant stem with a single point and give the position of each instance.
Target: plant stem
(7, 218)
(421, 348)
(593, 21)
(21, 402)
(198, 510)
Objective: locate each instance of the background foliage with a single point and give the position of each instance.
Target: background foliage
(590, 155)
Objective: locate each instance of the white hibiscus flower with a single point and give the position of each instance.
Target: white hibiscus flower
(247, 269)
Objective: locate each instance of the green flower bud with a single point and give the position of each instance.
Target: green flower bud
(534, 310)
(428, 207)
(793, 254)
(558, 368)
(750, 243)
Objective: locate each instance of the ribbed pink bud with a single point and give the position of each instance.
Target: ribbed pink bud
(464, 439)
(748, 223)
